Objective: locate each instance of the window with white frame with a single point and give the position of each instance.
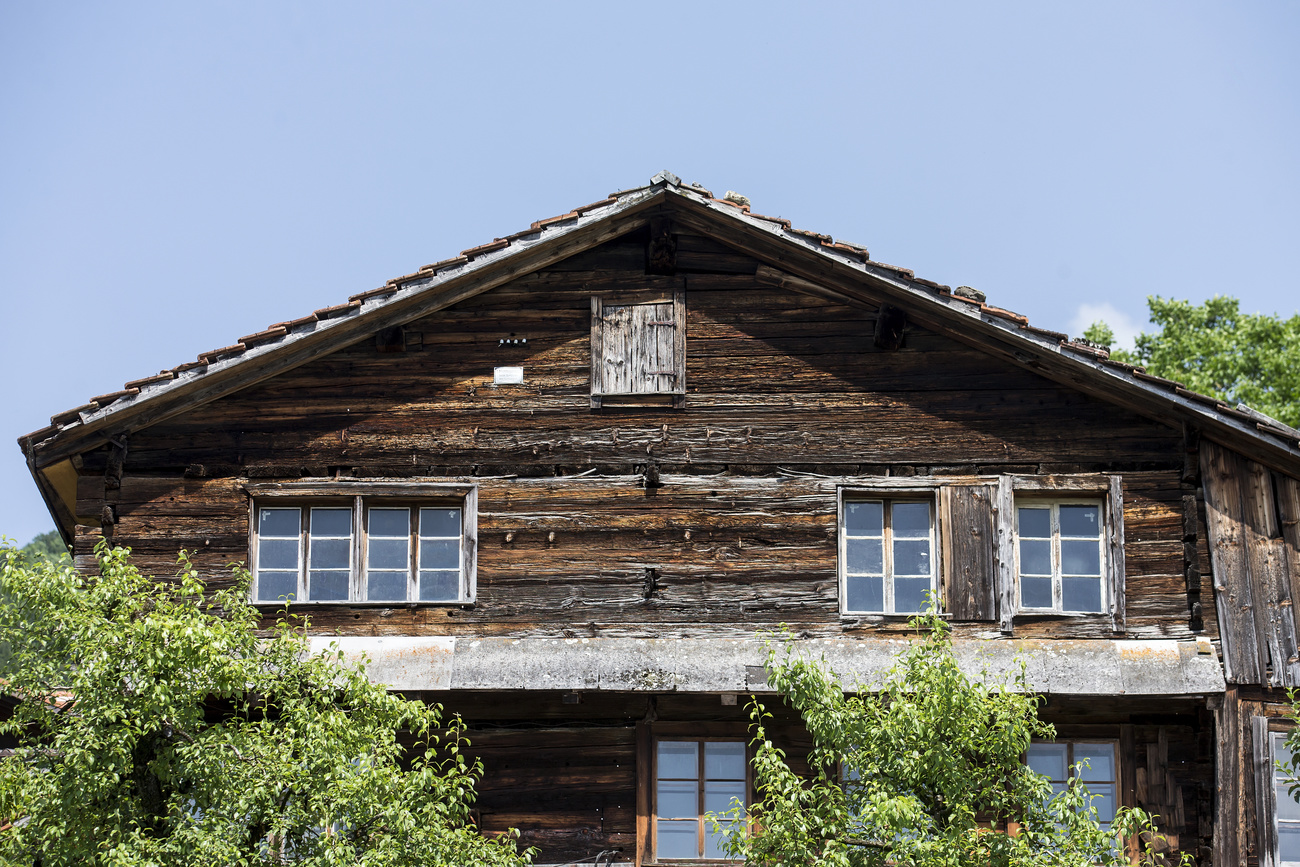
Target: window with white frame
(1061, 556)
(886, 554)
(1286, 811)
(695, 777)
(1094, 763)
(363, 550)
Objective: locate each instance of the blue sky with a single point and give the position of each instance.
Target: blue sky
(175, 175)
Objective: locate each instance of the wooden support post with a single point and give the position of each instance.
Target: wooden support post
(1227, 769)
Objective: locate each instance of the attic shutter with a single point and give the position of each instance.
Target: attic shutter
(637, 348)
(969, 536)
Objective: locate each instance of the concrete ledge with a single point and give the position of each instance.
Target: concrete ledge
(712, 665)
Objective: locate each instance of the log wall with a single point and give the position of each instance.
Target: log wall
(786, 395)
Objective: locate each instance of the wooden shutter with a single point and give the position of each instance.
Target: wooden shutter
(969, 535)
(638, 348)
(1113, 528)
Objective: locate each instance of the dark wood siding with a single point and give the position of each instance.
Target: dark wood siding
(787, 397)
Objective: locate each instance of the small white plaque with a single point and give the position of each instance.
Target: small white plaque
(507, 375)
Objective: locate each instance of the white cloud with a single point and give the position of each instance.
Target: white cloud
(1120, 322)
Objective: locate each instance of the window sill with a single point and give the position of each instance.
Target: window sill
(666, 400)
(872, 619)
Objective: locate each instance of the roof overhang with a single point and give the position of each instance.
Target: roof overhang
(801, 261)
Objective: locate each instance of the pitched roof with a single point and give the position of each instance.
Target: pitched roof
(809, 262)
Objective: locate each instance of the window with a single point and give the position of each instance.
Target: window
(1057, 761)
(886, 555)
(1061, 556)
(1286, 816)
(364, 549)
(638, 350)
(693, 777)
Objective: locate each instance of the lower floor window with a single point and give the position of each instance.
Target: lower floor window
(694, 777)
(1286, 810)
(1059, 762)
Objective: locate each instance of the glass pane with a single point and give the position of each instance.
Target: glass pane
(677, 839)
(864, 519)
(330, 553)
(1035, 557)
(388, 554)
(865, 555)
(1103, 800)
(1081, 521)
(1280, 752)
(1035, 522)
(1288, 843)
(386, 586)
(677, 799)
(911, 520)
(440, 522)
(1036, 592)
(718, 794)
(714, 842)
(865, 594)
(909, 594)
(1080, 557)
(678, 760)
(277, 553)
(724, 760)
(912, 557)
(327, 586)
(273, 586)
(390, 522)
(439, 586)
(440, 554)
(1048, 760)
(331, 522)
(279, 522)
(1100, 759)
(1287, 808)
(1081, 594)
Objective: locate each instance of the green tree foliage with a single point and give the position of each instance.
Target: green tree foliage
(155, 726)
(918, 774)
(1217, 350)
(50, 546)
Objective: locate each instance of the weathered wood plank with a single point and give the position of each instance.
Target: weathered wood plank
(1244, 644)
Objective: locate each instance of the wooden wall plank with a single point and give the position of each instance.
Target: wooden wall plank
(1244, 649)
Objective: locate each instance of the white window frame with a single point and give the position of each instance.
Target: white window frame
(1276, 740)
(1054, 504)
(888, 499)
(360, 498)
(1267, 735)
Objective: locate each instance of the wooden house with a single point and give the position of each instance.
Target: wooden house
(562, 481)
